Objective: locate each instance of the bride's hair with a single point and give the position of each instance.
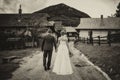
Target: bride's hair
(63, 32)
(49, 31)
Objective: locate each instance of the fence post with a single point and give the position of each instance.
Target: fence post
(90, 33)
(99, 40)
(87, 41)
(109, 38)
(109, 42)
(83, 40)
(92, 40)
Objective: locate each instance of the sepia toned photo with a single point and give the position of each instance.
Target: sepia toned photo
(59, 39)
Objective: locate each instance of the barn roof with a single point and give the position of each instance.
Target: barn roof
(10, 20)
(70, 29)
(98, 23)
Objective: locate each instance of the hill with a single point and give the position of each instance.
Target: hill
(61, 12)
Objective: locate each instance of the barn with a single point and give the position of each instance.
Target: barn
(98, 27)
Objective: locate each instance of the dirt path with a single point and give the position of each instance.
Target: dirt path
(31, 68)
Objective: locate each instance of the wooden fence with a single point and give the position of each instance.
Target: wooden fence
(18, 43)
(102, 40)
(96, 40)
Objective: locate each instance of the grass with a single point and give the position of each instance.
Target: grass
(104, 56)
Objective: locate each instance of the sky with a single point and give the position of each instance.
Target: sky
(94, 8)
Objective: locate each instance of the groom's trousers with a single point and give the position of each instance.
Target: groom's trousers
(47, 53)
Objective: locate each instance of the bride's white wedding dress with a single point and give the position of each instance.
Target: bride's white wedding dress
(62, 65)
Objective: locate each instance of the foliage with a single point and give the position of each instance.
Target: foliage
(118, 11)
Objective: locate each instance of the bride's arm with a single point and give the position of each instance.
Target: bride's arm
(58, 42)
(67, 43)
(69, 48)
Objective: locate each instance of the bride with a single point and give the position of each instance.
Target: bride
(62, 65)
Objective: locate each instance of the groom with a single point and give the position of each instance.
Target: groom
(47, 46)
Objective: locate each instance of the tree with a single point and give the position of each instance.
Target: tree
(118, 11)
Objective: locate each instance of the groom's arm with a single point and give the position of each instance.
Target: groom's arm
(55, 43)
(43, 42)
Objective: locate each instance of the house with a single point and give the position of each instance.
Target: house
(14, 26)
(98, 26)
(71, 33)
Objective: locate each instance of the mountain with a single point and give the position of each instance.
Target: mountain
(61, 12)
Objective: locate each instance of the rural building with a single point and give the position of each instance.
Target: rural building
(71, 33)
(16, 27)
(98, 26)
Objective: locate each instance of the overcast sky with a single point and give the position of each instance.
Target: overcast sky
(94, 8)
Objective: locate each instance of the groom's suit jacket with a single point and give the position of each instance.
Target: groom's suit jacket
(48, 43)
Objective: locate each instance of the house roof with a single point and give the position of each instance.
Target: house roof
(10, 20)
(98, 23)
(70, 29)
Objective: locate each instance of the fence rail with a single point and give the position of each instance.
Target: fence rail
(98, 39)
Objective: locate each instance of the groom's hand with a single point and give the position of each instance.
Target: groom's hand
(56, 50)
(42, 50)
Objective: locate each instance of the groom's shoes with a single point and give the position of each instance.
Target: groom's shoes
(48, 68)
(45, 68)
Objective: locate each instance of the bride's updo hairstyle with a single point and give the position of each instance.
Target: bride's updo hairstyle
(63, 32)
(49, 31)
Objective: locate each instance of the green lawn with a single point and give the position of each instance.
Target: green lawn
(104, 56)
